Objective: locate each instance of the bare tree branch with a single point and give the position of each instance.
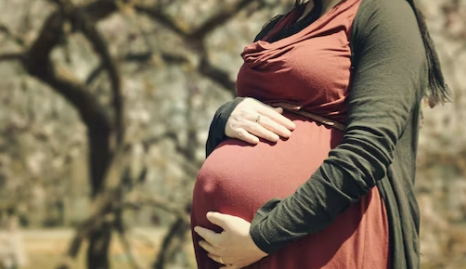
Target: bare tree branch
(139, 199)
(122, 234)
(206, 28)
(219, 19)
(101, 48)
(160, 17)
(217, 75)
(95, 73)
(103, 208)
(17, 39)
(11, 57)
(168, 58)
(190, 166)
(196, 38)
(205, 68)
(100, 127)
(171, 243)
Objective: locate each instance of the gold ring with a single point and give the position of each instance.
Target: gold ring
(222, 261)
(258, 119)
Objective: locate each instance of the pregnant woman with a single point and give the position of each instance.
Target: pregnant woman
(335, 191)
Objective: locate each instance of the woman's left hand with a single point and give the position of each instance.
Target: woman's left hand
(233, 247)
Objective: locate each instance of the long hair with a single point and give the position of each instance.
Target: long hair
(438, 91)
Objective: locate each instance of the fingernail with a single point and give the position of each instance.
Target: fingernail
(211, 213)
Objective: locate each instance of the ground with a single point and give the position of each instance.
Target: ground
(44, 248)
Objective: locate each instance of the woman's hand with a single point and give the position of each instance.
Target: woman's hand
(233, 247)
(252, 120)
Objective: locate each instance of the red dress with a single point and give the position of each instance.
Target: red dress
(311, 69)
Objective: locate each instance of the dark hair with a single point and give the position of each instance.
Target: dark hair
(438, 91)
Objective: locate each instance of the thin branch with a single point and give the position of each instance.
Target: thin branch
(173, 208)
(121, 229)
(128, 250)
(101, 48)
(93, 114)
(103, 212)
(103, 208)
(95, 73)
(81, 21)
(168, 58)
(191, 167)
(205, 68)
(63, 82)
(219, 19)
(217, 75)
(17, 39)
(83, 231)
(171, 243)
(101, 9)
(161, 18)
(11, 57)
(37, 62)
(196, 38)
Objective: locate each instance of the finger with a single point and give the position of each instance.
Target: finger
(245, 136)
(208, 235)
(277, 117)
(278, 109)
(217, 259)
(218, 219)
(274, 127)
(209, 248)
(230, 266)
(259, 131)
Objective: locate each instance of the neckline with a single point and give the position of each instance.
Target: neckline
(299, 9)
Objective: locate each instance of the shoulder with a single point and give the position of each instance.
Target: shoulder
(385, 9)
(388, 27)
(384, 17)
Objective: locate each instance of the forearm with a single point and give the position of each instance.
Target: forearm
(217, 126)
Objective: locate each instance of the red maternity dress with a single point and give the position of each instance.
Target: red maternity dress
(312, 69)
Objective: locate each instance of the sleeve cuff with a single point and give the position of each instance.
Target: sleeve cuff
(218, 124)
(261, 237)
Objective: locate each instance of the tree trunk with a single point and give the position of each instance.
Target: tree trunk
(98, 250)
(99, 160)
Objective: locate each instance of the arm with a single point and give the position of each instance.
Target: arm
(389, 76)
(217, 126)
(238, 119)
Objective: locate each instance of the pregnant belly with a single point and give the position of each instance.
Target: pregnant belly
(238, 178)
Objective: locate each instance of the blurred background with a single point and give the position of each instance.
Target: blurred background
(104, 111)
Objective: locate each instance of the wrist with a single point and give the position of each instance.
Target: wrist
(258, 252)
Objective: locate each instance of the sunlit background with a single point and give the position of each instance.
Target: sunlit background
(104, 111)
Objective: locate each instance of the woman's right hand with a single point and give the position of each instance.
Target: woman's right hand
(252, 120)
